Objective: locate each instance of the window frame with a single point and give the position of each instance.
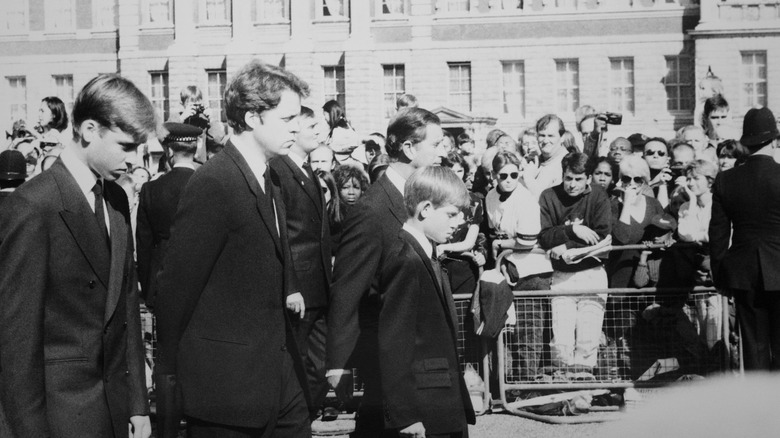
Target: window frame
(752, 100)
(146, 19)
(165, 98)
(203, 19)
(454, 96)
(50, 17)
(626, 88)
(380, 7)
(340, 97)
(507, 91)
(23, 7)
(394, 91)
(220, 98)
(259, 6)
(99, 8)
(22, 103)
(320, 11)
(58, 90)
(678, 83)
(572, 90)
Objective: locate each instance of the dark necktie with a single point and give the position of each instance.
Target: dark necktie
(307, 170)
(100, 213)
(437, 269)
(269, 199)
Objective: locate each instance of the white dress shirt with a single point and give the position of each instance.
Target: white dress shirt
(85, 179)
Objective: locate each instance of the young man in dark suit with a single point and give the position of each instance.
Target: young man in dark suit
(70, 334)
(308, 232)
(223, 327)
(746, 213)
(159, 200)
(424, 391)
(414, 138)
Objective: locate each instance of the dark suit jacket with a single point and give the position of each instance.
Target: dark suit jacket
(70, 335)
(221, 317)
(156, 207)
(369, 230)
(308, 231)
(418, 357)
(746, 198)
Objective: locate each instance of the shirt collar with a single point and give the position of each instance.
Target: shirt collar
(396, 179)
(254, 157)
(187, 165)
(81, 172)
(419, 236)
(297, 160)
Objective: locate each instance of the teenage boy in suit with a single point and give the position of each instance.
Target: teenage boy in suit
(70, 330)
(424, 391)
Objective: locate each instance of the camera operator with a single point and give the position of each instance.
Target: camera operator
(593, 126)
(193, 112)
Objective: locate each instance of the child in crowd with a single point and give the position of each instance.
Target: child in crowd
(513, 218)
(423, 387)
(576, 214)
(606, 174)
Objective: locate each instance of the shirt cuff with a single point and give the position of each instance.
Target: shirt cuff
(338, 373)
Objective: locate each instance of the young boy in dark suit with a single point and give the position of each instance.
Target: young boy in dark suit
(424, 391)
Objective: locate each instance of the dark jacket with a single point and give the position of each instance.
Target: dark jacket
(370, 228)
(418, 358)
(70, 332)
(308, 231)
(221, 318)
(747, 200)
(157, 206)
(560, 212)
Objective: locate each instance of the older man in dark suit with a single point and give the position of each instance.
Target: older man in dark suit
(70, 335)
(309, 236)
(746, 201)
(223, 328)
(414, 140)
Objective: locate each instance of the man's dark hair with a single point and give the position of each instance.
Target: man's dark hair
(577, 163)
(464, 138)
(307, 112)
(115, 102)
(546, 120)
(59, 115)
(258, 87)
(408, 125)
(371, 145)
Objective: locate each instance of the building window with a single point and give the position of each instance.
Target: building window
(621, 75)
(393, 7)
(272, 10)
(679, 83)
(60, 15)
(514, 87)
(460, 85)
(17, 97)
(217, 79)
(334, 84)
(334, 8)
(63, 88)
(159, 93)
(104, 14)
(453, 5)
(157, 12)
(567, 85)
(214, 11)
(753, 79)
(13, 16)
(394, 86)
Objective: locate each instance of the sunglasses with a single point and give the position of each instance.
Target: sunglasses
(512, 175)
(625, 179)
(659, 152)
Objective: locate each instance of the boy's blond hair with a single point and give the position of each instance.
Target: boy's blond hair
(437, 184)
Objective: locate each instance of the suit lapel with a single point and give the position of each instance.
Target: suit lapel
(310, 186)
(119, 241)
(396, 199)
(442, 289)
(261, 200)
(80, 220)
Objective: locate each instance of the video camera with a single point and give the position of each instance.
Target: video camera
(611, 118)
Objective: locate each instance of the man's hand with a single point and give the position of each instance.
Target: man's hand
(586, 234)
(296, 304)
(416, 430)
(342, 386)
(139, 427)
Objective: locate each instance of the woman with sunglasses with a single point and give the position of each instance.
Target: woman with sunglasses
(633, 211)
(514, 219)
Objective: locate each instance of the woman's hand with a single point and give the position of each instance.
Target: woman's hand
(663, 177)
